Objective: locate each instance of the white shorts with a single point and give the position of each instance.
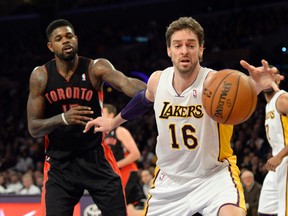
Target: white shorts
(274, 196)
(178, 197)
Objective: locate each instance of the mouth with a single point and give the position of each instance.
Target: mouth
(185, 61)
(68, 49)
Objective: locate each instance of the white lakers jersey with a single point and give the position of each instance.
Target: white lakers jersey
(276, 125)
(189, 143)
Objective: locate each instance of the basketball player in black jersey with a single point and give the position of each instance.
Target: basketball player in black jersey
(65, 93)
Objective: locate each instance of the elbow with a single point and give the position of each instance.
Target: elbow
(137, 155)
(34, 133)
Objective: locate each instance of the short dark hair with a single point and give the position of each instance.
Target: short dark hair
(110, 108)
(56, 24)
(185, 23)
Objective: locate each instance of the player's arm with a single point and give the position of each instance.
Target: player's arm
(282, 108)
(38, 126)
(264, 76)
(137, 106)
(129, 143)
(103, 70)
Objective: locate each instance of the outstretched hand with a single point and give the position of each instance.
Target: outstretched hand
(263, 76)
(101, 124)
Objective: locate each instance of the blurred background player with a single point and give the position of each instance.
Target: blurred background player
(126, 153)
(273, 197)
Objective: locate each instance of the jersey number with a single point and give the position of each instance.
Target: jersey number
(188, 136)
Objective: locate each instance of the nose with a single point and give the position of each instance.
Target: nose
(65, 40)
(184, 50)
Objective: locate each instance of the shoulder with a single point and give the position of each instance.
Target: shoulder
(121, 130)
(155, 76)
(39, 75)
(102, 64)
(282, 103)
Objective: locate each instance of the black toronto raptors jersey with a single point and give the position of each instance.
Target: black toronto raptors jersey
(114, 144)
(60, 96)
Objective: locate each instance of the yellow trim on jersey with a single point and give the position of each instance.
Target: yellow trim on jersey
(235, 173)
(225, 134)
(226, 152)
(284, 122)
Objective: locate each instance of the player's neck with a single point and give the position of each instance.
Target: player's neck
(67, 67)
(183, 81)
(269, 96)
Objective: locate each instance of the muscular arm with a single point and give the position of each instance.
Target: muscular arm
(37, 125)
(106, 124)
(103, 70)
(129, 143)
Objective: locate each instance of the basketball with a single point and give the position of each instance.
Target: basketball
(229, 97)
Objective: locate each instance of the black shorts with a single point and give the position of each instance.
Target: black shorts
(134, 192)
(93, 171)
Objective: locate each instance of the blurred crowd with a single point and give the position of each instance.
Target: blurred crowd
(132, 44)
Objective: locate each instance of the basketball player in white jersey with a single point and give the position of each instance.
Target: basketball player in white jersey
(274, 194)
(196, 170)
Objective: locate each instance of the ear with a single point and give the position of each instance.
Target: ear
(169, 52)
(201, 50)
(50, 47)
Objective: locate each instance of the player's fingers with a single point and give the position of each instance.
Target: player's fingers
(88, 126)
(86, 112)
(98, 129)
(265, 65)
(246, 65)
(79, 108)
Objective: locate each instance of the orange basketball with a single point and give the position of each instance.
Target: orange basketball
(229, 97)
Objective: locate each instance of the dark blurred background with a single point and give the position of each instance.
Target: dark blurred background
(131, 35)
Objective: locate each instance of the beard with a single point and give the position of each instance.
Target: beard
(67, 57)
(186, 70)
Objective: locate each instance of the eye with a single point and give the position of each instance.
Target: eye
(58, 39)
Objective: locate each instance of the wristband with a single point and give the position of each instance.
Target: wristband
(137, 106)
(64, 120)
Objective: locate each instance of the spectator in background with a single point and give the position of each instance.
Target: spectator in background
(146, 179)
(24, 161)
(39, 178)
(2, 184)
(29, 188)
(14, 185)
(251, 192)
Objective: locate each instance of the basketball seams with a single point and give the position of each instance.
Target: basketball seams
(216, 90)
(235, 96)
(227, 98)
